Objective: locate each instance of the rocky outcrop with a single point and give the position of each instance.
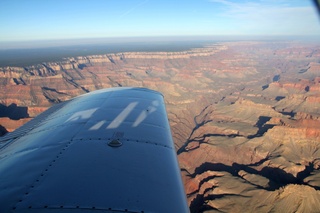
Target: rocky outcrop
(9, 125)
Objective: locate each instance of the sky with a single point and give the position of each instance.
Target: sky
(27, 20)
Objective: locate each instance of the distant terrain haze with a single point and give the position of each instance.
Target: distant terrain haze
(27, 53)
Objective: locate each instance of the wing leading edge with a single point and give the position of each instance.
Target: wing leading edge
(109, 150)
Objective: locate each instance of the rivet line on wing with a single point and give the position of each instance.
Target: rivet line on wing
(124, 139)
(42, 174)
(84, 208)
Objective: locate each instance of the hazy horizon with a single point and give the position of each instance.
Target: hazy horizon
(27, 44)
(29, 53)
(33, 56)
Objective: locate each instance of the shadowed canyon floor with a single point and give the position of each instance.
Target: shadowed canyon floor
(245, 116)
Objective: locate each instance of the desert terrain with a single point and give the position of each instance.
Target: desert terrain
(244, 116)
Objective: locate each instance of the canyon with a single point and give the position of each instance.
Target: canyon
(244, 115)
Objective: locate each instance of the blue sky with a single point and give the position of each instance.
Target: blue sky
(23, 20)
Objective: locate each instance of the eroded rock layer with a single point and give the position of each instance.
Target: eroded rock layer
(245, 116)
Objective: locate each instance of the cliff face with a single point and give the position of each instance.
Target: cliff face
(245, 116)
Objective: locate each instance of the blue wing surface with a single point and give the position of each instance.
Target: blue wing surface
(110, 150)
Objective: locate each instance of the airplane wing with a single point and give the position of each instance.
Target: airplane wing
(109, 150)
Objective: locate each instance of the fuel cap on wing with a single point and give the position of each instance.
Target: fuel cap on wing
(115, 143)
